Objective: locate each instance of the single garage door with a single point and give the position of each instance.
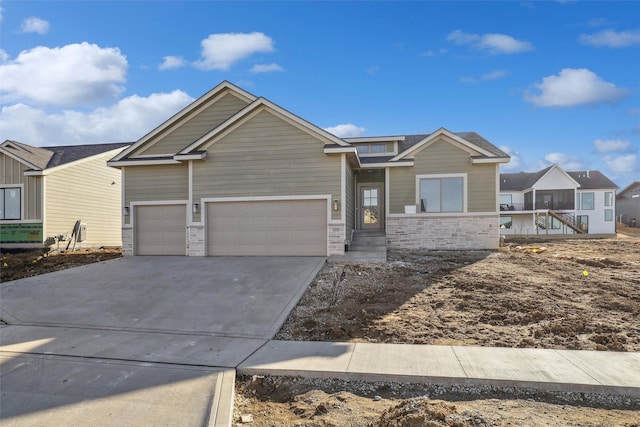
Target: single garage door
(161, 230)
(276, 228)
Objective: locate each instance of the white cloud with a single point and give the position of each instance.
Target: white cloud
(433, 52)
(516, 163)
(610, 38)
(266, 68)
(573, 87)
(69, 75)
(495, 44)
(127, 120)
(565, 161)
(221, 51)
(373, 70)
(4, 56)
(493, 75)
(346, 130)
(34, 25)
(611, 145)
(622, 164)
(172, 62)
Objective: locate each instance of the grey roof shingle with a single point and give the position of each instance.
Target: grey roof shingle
(592, 180)
(49, 157)
(588, 180)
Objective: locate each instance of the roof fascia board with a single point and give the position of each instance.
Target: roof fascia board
(375, 139)
(388, 164)
(491, 160)
(19, 159)
(120, 163)
(194, 156)
(340, 150)
(216, 93)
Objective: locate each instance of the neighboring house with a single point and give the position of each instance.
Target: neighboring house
(234, 174)
(553, 201)
(628, 205)
(44, 191)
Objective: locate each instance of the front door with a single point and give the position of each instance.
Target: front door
(371, 213)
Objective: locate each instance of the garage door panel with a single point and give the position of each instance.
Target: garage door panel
(161, 230)
(277, 228)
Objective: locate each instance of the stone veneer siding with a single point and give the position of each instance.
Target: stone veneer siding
(196, 246)
(127, 241)
(443, 232)
(336, 239)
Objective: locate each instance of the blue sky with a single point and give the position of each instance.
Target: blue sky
(547, 81)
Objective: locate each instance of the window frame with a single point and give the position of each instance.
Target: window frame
(510, 222)
(593, 201)
(20, 189)
(463, 176)
(608, 198)
(608, 215)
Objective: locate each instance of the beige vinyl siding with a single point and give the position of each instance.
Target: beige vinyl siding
(402, 189)
(12, 172)
(89, 191)
(195, 126)
(442, 157)
(156, 183)
(350, 202)
(267, 156)
(481, 187)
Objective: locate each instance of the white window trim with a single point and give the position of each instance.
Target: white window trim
(21, 187)
(440, 176)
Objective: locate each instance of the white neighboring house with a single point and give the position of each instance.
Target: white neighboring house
(628, 205)
(554, 201)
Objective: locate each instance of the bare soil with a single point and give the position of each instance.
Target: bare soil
(18, 265)
(286, 401)
(572, 294)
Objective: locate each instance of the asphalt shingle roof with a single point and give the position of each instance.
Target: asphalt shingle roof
(588, 180)
(49, 157)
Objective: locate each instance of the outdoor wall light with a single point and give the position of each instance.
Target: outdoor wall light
(336, 204)
(125, 211)
(196, 207)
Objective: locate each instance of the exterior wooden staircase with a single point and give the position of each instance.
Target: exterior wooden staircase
(569, 220)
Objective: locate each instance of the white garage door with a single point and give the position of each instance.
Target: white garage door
(276, 228)
(161, 230)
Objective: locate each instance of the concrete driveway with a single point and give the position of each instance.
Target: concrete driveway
(140, 341)
(228, 296)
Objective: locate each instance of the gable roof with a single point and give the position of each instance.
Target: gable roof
(469, 140)
(585, 180)
(183, 114)
(41, 158)
(629, 187)
(257, 105)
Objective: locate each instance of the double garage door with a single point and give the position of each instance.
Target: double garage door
(260, 228)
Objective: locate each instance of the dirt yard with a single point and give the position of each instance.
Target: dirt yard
(19, 265)
(574, 294)
(286, 402)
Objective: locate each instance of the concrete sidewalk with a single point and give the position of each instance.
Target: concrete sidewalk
(549, 370)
